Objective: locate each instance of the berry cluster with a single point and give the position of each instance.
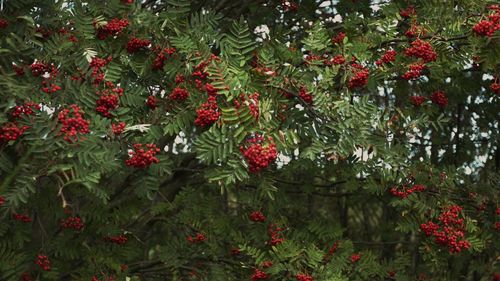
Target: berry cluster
(11, 131)
(118, 128)
(275, 233)
(259, 275)
(331, 251)
(161, 57)
(305, 96)
(252, 101)
(97, 73)
(355, 257)
(210, 89)
(72, 123)
(2, 200)
(178, 94)
(108, 100)
(257, 216)
(303, 277)
(415, 31)
(119, 240)
(489, 26)
(336, 60)
(152, 102)
(198, 238)
(414, 71)
(112, 28)
(38, 69)
(179, 78)
(142, 156)
(449, 231)
(26, 277)
(208, 113)
(259, 155)
(50, 88)
(25, 109)
(339, 38)
(408, 12)
(75, 223)
(439, 98)
(495, 87)
(417, 100)
(289, 5)
(388, 57)
(19, 70)
(21, 217)
(421, 49)
(404, 191)
(360, 76)
(136, 44)
(3, 23)
(43, 262)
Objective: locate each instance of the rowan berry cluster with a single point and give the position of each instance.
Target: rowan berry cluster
(25, 109)
(331, 251)
(489, 26)
(417, 100)
(72, 123)
(415, 31)
(75, 223)
(388, 57)
(289, 5)
(360, 76)
(3, 23)
(43, 262)
(97, 64)
(408, 12)
(162, 56)
(198, 238)
(439, 98)
(355, 257)
(259, 275)
(26, 277)
(39, 68)
(421, 49)
(257, 216)
(152, 102)
(303, 277)
(108, 100)
(178, 94)
(449, 231)
(119, 239)
(339, 38)
(19, 70)
(414, 71)
(11, 131)
(2, 200)
(305, 96)
(403, 191)
(21, 217)
(252, 101)
(258, 153)
(495, 87)
(208, 113)
(179, 78)
(142, 156)
(136, 44)
(336, 60)
(50, 87)
(118, 128)
(275, 234)
(112, 28)
(210, 89)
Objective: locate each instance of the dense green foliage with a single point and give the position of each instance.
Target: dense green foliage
(367, 158)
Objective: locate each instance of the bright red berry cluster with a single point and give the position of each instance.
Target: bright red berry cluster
(118, 128)
(388, 57)
(19, 70)
(414, 71)
(142, 156)
(305, 96)
(289, 5)
(25, 109)
(179, 78)
(39, 68)
(21, 217)
(112, 28)
(119, 239)
(3, 23)
(421, 49)
(495, 87)
(208, 113)
(43, 262)
(417, 100)
(415, 31)
(152, 102)
(259, 154)
(259, 275)
(439, 98)
(198, 238)
(108, 100)
(331, 251)
(11, 131)
(72, 123)
(355, 257)
(449, 231)
(97, 73)
(257, 216)
(178, 94)
(303, 277)
(161, 57)
(339, 38)
(360, 76)
(252, 101)
(408, 12)
(404, 191)
(275, 233)
(75, 223)
(336, 60)
(136, 44)
(50, 87)
(489, 26)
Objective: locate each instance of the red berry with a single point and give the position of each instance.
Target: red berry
(142, 156)
(439, 98)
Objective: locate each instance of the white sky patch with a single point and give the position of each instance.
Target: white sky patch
(262, 31)
(325, 4)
